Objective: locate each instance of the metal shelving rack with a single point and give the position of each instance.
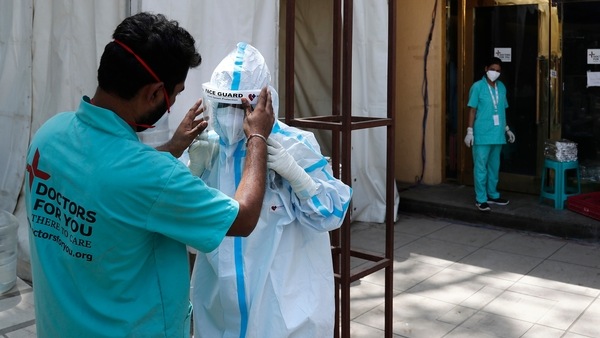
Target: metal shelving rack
(341, 123)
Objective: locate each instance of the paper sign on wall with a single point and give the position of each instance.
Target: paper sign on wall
(593, 79)
(504, 54)
(593, 56)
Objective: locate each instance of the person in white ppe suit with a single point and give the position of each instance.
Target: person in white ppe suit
(277, 282)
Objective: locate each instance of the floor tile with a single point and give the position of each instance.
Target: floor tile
(371, 236)
(580, 254)
(587, 324)
(17, 314)
(540, 331)
(457, 315)
(565, 277)
(433, 251)
(526, 244)
(487, 325)
(483, 296)
(452, 286)
(360, 330)
(465, 234)
(414, 316)
(407, 273)
(566, 309)
(520, 306)
(364, 297)
(419, 226)
(25, 332)
(497, 264)
(574, 335)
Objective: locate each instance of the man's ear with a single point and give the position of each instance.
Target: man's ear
(153, 93)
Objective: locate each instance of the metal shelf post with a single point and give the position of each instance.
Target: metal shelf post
(341, 123)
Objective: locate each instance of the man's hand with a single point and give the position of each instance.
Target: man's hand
(187, 131)
(260, 120)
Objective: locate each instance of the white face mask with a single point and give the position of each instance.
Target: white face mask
(492, 75)
(228, 123)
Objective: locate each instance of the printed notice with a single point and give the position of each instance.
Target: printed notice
(593, 56)
(504, 54)
(593, 79)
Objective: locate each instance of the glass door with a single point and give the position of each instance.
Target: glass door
(518, 32)
(580, 22)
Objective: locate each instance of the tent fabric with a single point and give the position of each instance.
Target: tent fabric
(49, 60)
(55, 55)
(16, 21)
(16, 109)
(258, 24)
(369, 97)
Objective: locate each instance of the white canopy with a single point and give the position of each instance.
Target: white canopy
(49, 60)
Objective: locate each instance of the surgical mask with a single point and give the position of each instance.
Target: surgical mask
(492, 75)
(228, 123)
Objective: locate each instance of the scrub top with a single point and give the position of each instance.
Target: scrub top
(488, 129)
(110, 219)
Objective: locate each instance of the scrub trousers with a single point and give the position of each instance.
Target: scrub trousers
(486, 167)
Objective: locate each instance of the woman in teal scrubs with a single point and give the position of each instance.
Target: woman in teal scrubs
(486, 133)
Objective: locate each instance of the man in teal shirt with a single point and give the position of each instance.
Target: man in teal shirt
(486, 133)
(110, 217)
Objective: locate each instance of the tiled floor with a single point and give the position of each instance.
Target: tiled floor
(460, 280)
(17, 318)
(450, 280)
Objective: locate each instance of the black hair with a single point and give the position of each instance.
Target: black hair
(168, 49)
(494, 61)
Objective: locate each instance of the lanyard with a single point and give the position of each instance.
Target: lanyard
(494, 99)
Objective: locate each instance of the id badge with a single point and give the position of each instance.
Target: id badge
(496, 120)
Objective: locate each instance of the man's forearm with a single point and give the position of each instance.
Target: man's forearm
(251, 190)
(167, 147)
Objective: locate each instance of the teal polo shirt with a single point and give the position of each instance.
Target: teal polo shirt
(485, 131)
(109, 220)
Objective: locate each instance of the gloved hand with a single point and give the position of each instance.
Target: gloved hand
(469, 137)
(203, 151)
(511, 136)
(285, 165)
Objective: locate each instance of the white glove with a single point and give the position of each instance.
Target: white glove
(285, 165)
(203, 151)
(469, 137)
(511, 136)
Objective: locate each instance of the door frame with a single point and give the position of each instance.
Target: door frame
(548, 93)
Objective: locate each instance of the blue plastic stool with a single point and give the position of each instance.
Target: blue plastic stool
(560, 190)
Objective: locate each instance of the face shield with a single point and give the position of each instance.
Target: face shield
(241, 74)
(225, 111)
